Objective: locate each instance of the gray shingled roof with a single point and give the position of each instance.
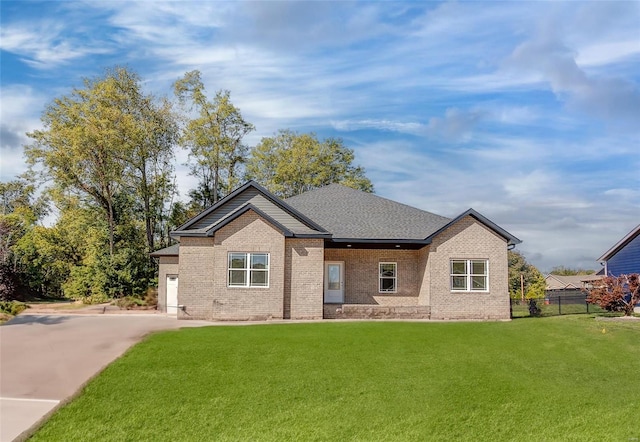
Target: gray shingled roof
(350, 213)
(167, 251)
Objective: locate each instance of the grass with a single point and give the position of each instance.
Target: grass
(560, 378)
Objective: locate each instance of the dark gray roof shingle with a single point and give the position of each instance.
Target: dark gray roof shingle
(350, 213)
(167, 251)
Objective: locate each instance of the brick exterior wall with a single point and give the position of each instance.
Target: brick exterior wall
(168, 265)
(468, 239)
(303, 276)
(195, 278)
(296, 275)
(424, 276)
(361, 275)
(249, 233)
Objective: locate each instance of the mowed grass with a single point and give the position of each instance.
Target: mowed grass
(559, 378)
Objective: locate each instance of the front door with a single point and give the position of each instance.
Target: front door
(334, 282)
(172, 294)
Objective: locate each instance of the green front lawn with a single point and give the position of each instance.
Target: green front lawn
(557, 378)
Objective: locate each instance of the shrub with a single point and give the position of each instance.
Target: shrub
(617, 293)
(151, 298)
(12, 307)
(129, 302)
(96, 298)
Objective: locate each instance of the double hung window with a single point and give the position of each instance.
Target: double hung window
(469, 275)
(388, 275)
(248, 269)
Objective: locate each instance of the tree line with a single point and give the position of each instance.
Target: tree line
(104, 164)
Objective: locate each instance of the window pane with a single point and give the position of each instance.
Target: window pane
(479, 282)
(459, 267)
(387, 285)
(458, 282)
(237, 277)
(333, 277)
(388, 269)
(259, 278)
(238, 260)
(478, 267)
(259, 260)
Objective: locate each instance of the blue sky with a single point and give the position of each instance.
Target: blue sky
(529, 112)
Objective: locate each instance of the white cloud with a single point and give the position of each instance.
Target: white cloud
(43, 44)
(21, 106)
(549, 54)
(448, 105)
(598, 54)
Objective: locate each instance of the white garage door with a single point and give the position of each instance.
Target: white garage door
(172, 294)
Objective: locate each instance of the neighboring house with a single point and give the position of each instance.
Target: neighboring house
(624, 257)
(333, 252)
(570, 284)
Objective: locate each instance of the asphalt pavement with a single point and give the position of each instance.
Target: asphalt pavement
(46, 358)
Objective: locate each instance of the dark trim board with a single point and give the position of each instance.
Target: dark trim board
(374, 244)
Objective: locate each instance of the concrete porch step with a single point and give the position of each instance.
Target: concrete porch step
(369, 311)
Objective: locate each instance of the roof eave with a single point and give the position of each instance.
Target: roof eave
(381, 241)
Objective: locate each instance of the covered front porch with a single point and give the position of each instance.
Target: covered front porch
(375, 281)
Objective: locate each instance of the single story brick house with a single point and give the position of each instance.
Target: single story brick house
(333, 252)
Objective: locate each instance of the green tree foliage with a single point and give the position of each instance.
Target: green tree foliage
(108, 149)
(567, 271)
(214, 138)
(290, 163)
(534, 283)
(106, 139)
(20, 212)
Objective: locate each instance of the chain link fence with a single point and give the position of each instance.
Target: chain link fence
(554, 304)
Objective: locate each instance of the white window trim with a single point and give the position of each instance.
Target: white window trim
(380, 277)
(468, 276)
(248, 270)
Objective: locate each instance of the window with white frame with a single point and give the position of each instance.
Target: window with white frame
(388, 274)
(248, 269)
(469, 275)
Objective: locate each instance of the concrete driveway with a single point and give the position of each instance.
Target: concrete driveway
(45, 359)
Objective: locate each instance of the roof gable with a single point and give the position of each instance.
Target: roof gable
(511, 240)
(620, 244)
(250, 196)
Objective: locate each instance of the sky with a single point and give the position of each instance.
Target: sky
(528, 112)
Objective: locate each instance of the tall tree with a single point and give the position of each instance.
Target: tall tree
(106, 139)
(83, 139)
(522, 273)
(149, 162)
(290, 163)
(214, 138)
